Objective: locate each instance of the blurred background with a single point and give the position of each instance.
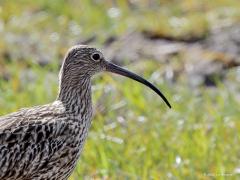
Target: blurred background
(190, 49)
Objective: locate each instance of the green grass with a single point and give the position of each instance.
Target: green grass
(134, 135)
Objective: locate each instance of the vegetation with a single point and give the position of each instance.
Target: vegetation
(133, 135)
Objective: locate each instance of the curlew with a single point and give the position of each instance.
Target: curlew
(45, 142)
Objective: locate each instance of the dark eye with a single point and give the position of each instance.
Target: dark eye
(96, 56)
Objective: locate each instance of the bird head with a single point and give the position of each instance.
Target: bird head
(83, 61)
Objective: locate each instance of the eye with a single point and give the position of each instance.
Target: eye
(96, 56)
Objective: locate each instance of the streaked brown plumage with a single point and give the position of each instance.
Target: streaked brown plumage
(45, 142)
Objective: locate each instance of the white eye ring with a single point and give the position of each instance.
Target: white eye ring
(96, 56)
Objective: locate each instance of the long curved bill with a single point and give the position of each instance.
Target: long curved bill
(110, 67)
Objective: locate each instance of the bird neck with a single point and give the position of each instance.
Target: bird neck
(76, 96)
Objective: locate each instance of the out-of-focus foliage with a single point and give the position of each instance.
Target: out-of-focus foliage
(134, 135)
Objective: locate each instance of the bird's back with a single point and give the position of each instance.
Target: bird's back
(38, 143)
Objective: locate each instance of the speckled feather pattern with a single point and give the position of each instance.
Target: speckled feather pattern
(45, 142)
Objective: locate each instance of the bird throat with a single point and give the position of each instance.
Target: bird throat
(76, 98)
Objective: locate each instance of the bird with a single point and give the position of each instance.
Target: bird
(45, 142)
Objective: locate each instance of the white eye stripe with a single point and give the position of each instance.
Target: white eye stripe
(96, 56)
